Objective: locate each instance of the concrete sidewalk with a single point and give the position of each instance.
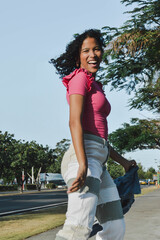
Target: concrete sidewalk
(142, 221)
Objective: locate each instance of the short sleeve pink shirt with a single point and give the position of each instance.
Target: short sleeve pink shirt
(96, 106)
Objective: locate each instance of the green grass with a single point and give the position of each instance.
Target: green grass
(19, 227)
(146, 190)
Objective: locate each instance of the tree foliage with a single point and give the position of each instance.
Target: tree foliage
(142, 174)
(132, 62)
(150, 172)
(17, 155)
(140, 134)
(7, 153)
(147, 98)
(132, 56)
(61, 148)
(114, 169)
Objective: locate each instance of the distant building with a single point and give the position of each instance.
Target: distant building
(55, 178)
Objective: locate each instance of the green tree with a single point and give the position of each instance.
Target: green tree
(132, 62)
(150, 172)
(17, 155)
(141, 172)
(31, 154)
(140, 134)
(7, 154)
(132, 56)
(61, 148)
(114, 169)
(147, 98)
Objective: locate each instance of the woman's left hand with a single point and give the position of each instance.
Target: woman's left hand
(129, 164)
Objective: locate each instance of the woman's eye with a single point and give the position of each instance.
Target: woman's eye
(85, 51)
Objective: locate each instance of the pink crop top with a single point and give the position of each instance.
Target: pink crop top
(96, 106)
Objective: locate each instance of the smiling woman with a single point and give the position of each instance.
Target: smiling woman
(70, 59)
(91, 190)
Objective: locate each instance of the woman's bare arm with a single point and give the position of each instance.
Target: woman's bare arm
(75, 124)
(121, 160)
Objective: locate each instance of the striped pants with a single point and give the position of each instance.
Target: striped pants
(97, 198)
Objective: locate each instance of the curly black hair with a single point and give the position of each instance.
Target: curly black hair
(67, 62)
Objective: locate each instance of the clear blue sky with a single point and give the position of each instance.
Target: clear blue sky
(32, 100)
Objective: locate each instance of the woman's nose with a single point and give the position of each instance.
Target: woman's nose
(92, 53)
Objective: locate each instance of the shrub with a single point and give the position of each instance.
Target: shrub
(4, 188)
(51, 185)
(31, 187)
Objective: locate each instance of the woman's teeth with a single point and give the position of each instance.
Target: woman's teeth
(92, 62)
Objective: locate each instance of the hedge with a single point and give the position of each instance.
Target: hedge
(4, 188)
(31, 186)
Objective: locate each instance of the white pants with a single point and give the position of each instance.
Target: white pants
(99, 197)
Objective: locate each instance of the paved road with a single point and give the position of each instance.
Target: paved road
(25, 201)
(142, 221)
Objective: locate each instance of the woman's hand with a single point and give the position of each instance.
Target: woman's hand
(128, 164)
(80, 180)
